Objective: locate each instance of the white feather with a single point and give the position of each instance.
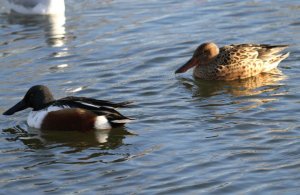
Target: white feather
(102, 123)
(122, 121)
(35, 118)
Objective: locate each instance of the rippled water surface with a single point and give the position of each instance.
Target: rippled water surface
(189, 136)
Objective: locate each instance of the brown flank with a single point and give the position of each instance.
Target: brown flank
(72, 119)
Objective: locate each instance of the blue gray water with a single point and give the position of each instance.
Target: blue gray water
(239, 137)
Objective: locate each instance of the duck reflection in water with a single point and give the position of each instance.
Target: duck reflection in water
(265, 82)
(53, 26)
(37, 139)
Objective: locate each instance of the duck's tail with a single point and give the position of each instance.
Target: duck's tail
(271, 56)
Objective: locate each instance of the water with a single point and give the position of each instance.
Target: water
(189, 137)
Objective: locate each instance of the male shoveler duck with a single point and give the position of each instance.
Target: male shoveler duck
(69, 113)
(41, 7)
(237, 61)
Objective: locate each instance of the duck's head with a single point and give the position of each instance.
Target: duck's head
(202, 56)
(37, 97)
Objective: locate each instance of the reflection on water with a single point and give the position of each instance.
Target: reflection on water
(247, 87)
(53, 26)
(35, 138)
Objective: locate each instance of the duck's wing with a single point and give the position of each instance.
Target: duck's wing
(91, 103)
(269, 51)
(236, 53)
(263, 50)
(233, 54)
(99, 107)
(259, 46)
(268, 56)
(112, 115)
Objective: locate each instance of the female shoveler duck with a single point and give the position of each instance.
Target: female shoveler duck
(69, 113)
(233, 61)
(41, 7)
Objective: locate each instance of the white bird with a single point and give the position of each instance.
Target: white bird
(41, 7)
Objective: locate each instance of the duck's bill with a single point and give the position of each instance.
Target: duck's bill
(18, 107)
(190, 64)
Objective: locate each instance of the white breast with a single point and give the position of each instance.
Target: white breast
(35, 118)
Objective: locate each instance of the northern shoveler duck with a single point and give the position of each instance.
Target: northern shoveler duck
(41, 7)
(237, 61)
(69, 113)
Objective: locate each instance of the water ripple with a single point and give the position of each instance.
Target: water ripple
(189, 136)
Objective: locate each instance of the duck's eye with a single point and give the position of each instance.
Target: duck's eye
(31, 96)
(205, 52)
(197, 53)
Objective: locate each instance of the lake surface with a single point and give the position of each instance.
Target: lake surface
(189, 136)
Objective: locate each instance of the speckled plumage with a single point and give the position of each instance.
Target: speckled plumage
(232, 62)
